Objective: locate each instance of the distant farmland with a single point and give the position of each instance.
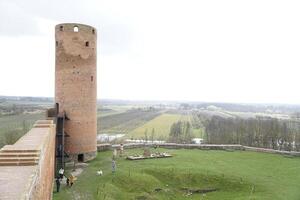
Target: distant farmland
(125, 121)
(139, 123)
(161, 126)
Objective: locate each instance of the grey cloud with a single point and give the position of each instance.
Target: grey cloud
(20, 17)
(15, 22)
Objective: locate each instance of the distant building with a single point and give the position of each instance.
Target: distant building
(197, 140)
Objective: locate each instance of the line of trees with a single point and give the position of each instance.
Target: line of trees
(147, 138)
(181, 132)
(258, 132)
(17, 109)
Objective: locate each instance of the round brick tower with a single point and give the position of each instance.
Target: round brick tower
(76, 87)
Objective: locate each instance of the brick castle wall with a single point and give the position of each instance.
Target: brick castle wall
(27, 167)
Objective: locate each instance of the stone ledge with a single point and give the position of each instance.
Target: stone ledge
(19, 154)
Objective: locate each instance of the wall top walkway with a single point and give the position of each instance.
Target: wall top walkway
(19, 163)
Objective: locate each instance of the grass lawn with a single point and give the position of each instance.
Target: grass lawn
(161, 125)
(236, 175)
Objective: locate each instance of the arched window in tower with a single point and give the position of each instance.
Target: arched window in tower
(61, 28)
(87, 44)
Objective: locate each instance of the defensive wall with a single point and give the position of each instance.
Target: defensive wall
(228, 147)
(27, 167)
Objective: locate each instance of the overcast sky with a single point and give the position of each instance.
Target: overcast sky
(224, 51)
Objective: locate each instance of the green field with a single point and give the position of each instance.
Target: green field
(126, 121)
(235, 175)
(16, 126)
(161, 125)
(111, 110)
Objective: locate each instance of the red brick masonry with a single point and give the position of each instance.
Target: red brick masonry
(76, 86)
(27, 167)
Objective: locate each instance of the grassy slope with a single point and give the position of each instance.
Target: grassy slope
(161, 125)
(237, 175)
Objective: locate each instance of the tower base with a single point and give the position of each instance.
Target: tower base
(84, 157)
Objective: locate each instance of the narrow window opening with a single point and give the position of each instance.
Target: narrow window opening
(93, 31)
(76, 29)
(57, 108)
(87, 44)
(61, 28)
(56, 43)
(80, 158)
(92, 78)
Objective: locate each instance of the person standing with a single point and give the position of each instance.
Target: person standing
(68, 182)
(114, 154)
(61, 173)
(57, 184)
(113, 166)
(72, 180)
(121, 150)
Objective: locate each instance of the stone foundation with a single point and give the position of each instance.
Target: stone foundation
(89, 156)
(83, 157)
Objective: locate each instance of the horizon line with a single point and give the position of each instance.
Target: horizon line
(174, 101)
